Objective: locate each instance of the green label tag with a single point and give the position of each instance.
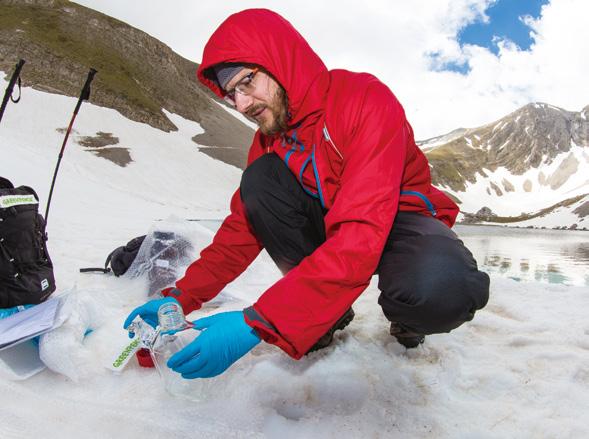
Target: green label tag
(124, 357)
(16, 200)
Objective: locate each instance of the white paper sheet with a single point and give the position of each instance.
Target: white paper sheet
(29, 323)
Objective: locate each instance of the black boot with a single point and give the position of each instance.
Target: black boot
(326, 340)
(407, 338)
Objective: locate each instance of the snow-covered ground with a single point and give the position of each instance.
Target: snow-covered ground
(519, 370)
(517, 200)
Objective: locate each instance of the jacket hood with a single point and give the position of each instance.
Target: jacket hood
(264, 38)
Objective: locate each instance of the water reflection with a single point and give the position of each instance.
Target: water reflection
(551, 256)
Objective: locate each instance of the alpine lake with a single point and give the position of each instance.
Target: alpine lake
(540, 255)
(525, 255)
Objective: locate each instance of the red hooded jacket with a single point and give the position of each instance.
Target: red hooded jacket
(352, 148)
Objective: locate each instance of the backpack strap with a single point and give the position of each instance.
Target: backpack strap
(104, 270)
(95, 269)
(124, 256)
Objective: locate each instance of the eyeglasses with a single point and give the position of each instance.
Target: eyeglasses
(244, 87)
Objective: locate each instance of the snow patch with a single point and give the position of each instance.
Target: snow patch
(505, 143)
(514, 203)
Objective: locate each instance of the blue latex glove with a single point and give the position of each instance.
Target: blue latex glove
(7, 312)
(224, 339)
(148, 312)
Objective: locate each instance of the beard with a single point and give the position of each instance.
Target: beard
(277, 122)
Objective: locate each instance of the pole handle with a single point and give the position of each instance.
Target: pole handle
(8, 94)
(84, 96)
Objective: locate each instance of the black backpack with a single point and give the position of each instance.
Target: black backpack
(26, 271)
(120, 259)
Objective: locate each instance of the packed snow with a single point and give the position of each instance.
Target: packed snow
(519, 369)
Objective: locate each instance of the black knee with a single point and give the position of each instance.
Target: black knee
(283, 217)
(257, 178)
(431, 284)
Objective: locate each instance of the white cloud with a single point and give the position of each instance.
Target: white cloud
(395, 40)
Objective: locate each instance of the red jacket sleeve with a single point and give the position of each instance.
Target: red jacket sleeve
(233, 249)
(296, 311)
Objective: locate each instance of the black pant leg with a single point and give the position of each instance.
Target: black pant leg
(429, 280)
(288, 221)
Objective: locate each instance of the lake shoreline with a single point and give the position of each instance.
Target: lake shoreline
(563, 228)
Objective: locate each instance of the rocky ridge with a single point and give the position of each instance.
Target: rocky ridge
(524, 167)
(530, 137)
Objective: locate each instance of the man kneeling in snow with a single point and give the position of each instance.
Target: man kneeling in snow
(335, 190)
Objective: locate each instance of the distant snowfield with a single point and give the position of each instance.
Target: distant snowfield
(518, 200)
(520, 369)
(510, 195)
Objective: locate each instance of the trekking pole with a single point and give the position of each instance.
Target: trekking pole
(8, 94)
(84, 96)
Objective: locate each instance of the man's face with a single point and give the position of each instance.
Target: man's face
(266, 103)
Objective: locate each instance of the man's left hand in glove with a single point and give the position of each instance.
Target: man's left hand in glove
(224, 339)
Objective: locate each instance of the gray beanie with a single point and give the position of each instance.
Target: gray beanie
(225, 72)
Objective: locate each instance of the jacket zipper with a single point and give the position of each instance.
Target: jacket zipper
(329, 141)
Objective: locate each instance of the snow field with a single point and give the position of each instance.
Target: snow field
(518, 201)
(519, 369)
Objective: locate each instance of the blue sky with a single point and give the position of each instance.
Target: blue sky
(504, 23)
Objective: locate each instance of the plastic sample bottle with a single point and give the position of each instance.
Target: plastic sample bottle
(174, 334)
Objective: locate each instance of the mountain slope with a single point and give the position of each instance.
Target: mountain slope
(137, 75)
(526, 165)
